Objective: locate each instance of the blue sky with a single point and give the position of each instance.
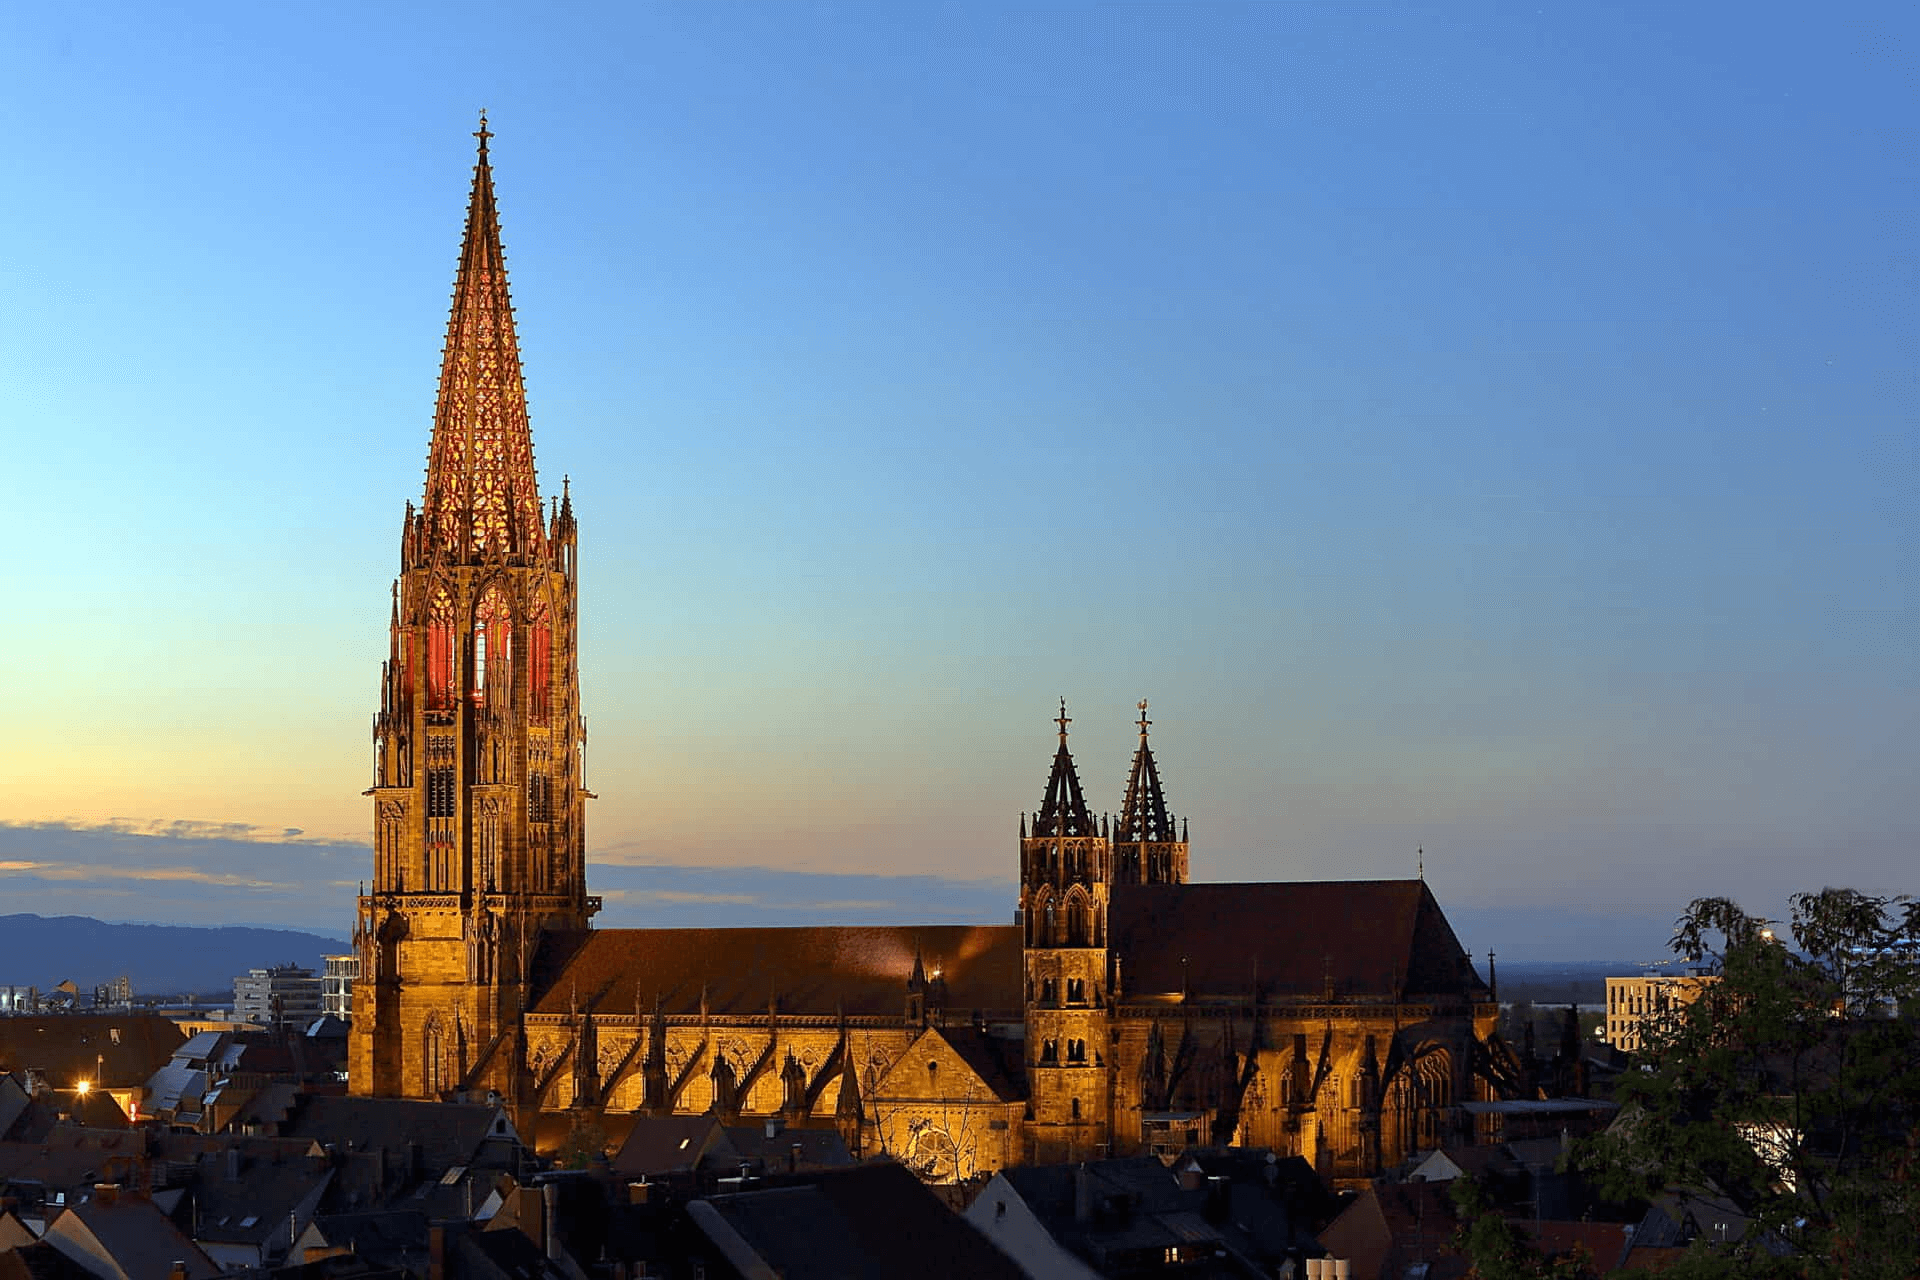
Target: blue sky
(1488, 427)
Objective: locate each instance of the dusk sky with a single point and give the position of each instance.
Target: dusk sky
(1489, 428)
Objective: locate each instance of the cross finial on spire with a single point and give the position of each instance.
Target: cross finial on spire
(1143, 721)
(1420, 853)
(483, 133)
(1063, 720)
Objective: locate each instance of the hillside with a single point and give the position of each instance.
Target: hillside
(42, 950)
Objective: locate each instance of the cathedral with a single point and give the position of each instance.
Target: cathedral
(1125, 1010)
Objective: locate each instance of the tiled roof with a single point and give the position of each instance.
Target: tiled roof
(133, 1232)
(1401, 1223)
(112, 1049)
(1365, 938)
(810, 971)
(867, 1223)
(448, 1133)
(253, 1204)
(820, 1148)
(40, 1261)
(660, 1145)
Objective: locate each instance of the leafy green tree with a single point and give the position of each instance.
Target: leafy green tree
(1498, 1248)
(1790, 1085)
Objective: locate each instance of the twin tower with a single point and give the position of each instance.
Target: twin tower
(1069, 867)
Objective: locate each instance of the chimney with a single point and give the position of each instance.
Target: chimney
(1082, 1194)
(106, 1192)
(550, 1211)
(793, 1158)
(1191, 1179)
(436, 1253)
(1215, 1209)
(233, 1164)
(178, 1271)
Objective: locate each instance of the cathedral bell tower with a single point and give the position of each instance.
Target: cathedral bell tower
(478, 802)
(1065, 880)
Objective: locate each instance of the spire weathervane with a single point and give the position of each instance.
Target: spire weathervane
(1143, 721)
(483, 133)
(1063, 720)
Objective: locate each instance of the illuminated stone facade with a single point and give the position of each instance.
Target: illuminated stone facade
(478, 811)
(1126, 1009)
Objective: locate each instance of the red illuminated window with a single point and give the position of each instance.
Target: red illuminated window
(440, 652)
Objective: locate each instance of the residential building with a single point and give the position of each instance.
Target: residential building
(1240, 1213)
(1651, 995)
(284, 995)
(336, 985)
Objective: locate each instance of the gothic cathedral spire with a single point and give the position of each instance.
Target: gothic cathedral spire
(1064, 810)
(482, 498)
(1147, 847)
(479, 811)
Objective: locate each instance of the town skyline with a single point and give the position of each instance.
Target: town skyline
(861, 495)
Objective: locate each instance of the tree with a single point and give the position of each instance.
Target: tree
(1498, 1248)
(1790, 1085)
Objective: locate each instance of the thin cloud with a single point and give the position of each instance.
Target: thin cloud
(679, 895)
(96, 871)
(181, 829)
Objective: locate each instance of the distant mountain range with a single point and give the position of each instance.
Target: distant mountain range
(40, 951)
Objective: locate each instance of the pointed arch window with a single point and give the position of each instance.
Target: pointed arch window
(1079, 920)
(431, 1057)
(492, 647)
(440, 650)
(540, 663)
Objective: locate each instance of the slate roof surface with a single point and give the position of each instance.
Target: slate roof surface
(14, 1102)
(1374, 938)
(111, 1049)
(1398, 1224)
(13, 1232)
(388, 1236)
(661, 1145)
(509, 1255)
(1140, 1206)
(873, 1222)
(55, 1168)
(134, 1233)
(40, 1261)
(994, 1060)
(819, 1147)
(449, 1133)
(254, 1206)
(811, 971)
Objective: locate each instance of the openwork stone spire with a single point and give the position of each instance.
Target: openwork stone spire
(1064, 811)
(1144, 815)
(482, 498)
